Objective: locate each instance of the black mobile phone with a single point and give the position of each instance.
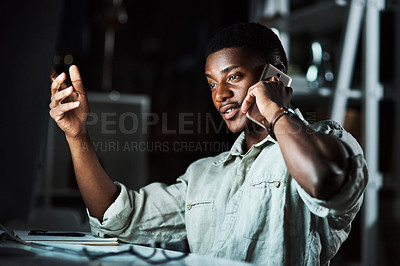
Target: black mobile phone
(54, 233)
(269, 71)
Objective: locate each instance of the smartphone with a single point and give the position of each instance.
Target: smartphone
(269, 71)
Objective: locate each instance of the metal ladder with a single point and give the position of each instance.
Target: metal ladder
(361, 13)
(368, 13)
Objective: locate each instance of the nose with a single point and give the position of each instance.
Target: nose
(223, 93)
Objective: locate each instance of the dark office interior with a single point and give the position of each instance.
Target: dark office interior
(156, 49)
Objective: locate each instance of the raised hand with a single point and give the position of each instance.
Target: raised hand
(69, 106)
(269, 97)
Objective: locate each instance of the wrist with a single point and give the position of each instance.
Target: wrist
(79, 138)
(270, 112)
(79, 143)
(283, 111)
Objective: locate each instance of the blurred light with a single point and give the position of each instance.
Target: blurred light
(341, 2)
(68, 59)
(314, 85)
(123, 18)
(326, 56)
(317, 52)
(329, 76)
(312, 73)
(324, 91)
(115, 95)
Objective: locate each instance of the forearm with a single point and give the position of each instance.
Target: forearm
(97, 189)
(317, 161)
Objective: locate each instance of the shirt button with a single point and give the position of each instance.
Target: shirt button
(277, 184)
(189, 206)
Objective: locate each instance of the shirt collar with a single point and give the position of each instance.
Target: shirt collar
(237, 147)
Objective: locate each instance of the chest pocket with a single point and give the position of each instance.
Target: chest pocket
(200, 224)
(260, 209)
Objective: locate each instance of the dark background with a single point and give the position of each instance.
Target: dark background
(159, 51)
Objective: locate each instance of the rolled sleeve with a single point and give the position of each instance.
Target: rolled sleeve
(350, 195)
(154, 213)
(115, 217)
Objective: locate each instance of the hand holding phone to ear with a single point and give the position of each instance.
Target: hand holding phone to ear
(267, 96)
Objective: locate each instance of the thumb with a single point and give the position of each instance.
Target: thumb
(76, 79)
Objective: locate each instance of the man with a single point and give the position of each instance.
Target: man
(286, 195)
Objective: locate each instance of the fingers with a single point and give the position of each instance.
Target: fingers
(248, 100)
(60, 96)
(58, 112)
(58, 82)
(264, 91)
(76, 79)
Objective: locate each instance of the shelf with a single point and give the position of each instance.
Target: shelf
(314, 19)
(301, 90)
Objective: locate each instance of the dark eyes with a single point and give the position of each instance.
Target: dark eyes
(230, 78)
(233, 77)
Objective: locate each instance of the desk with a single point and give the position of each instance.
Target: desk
(12, 253)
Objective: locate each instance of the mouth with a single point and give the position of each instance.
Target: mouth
(229, 111)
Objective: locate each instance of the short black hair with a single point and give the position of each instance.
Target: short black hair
(251, 37)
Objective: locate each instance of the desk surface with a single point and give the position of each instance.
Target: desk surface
(12, 253)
